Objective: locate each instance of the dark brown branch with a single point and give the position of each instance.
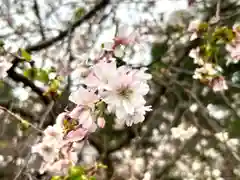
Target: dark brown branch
(44, 44)
(37, 12)
(87, 16)
(20, 78)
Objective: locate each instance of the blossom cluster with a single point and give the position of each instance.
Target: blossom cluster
(208, 72)
(107, 89)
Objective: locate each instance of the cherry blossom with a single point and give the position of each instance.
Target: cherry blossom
(234, 47)
(106, 88)
(47, 149)
(137, 117)
(218, 84)
(193, 28)
(194, 53)
(4, 66)
(83, 97)
(207, 71)
(125, 36)
(125, 94)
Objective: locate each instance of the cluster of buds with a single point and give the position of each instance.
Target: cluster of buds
(208, 72)
(107, 89)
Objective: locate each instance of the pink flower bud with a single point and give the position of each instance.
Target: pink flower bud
(101, 122)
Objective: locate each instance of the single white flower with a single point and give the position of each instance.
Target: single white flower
(125, 94)
(47, 149)
(54, 133)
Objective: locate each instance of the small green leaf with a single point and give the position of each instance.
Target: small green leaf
(76, 171)
(37, 74)
(24, 125)
(92, 178)
(79, 12)
(55, 84)
(25, 54)
(56, 178)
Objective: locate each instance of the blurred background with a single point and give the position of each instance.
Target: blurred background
(192, 132)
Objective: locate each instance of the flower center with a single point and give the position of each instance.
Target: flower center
(125, 92)
(47, 149)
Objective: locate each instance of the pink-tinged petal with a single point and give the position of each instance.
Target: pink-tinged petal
(85, 118)
(218, 84)
(91, 80)
(83, 97)
(76, 112)
(101, 122)
(76, 135)
(93, 127)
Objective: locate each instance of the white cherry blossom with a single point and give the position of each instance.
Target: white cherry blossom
(4, 66)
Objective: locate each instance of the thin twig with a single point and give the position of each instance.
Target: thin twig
(20, 119)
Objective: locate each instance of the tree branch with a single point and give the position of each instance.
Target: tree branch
(89, 15)
(37, 12)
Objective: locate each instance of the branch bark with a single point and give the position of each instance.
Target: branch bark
(87, 16)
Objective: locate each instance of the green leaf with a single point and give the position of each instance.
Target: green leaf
(79, 12)
(55, 84)
(42, 76)
(76, 171)
(56, 178)
(24, 54)
(92, 178)
(37, 74)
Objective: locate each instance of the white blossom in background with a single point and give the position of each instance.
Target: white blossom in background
(4, 66)
(194, 53)
(208, 70)
(193, 29)
(182, 133)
